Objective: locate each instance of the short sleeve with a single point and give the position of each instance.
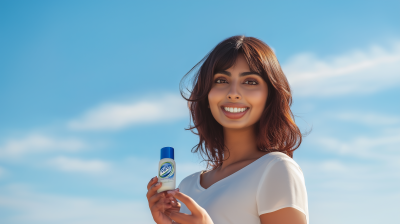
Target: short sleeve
(282, 185)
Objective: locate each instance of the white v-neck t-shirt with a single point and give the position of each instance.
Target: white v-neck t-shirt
(272, 182)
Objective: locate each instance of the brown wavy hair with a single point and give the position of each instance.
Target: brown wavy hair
(276, 129)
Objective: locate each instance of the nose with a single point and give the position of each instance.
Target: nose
(233, 94)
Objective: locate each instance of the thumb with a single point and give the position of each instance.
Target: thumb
(188, 201)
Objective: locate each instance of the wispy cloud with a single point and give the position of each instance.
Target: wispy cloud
(38, 143)
(343, 177)
(368, 118)
(112, 116)
(338, 186)
(359, 71)
(384, 147)
(27, 206)
(79, 165)
(333, 166)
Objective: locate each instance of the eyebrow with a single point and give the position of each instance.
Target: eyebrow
(240, 75)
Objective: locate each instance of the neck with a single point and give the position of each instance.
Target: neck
(241, 145)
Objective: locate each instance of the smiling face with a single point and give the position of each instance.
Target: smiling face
(238, 96)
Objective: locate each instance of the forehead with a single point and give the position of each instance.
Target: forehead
(240, 64)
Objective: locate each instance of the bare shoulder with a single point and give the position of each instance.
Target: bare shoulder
(284, 216)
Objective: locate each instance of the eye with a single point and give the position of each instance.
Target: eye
(251, 82)
(219, 80)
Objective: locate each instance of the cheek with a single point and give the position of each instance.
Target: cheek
(258, 99)
(214, 96)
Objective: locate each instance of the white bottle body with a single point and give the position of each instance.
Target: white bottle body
(166, 174)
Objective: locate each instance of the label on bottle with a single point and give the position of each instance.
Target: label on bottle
(166, 170)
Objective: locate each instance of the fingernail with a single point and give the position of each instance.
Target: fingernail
(177, 189)
(172, 192)
(157, 183)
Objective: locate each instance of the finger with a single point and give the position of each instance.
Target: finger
(160, 206)
(172, 209)
(175, 204)
(151, 182)
(170, 193)
(168, 211)
(181, 217)
(153, 199)
(189, 202)
(153, 190)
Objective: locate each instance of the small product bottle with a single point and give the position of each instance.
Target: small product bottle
(167, 170)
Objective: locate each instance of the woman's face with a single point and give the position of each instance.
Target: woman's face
(238, 96)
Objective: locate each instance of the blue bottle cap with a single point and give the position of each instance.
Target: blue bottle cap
(167, 152)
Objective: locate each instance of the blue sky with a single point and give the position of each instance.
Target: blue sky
(89, 93)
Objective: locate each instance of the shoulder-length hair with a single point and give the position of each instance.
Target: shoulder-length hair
(276, 129)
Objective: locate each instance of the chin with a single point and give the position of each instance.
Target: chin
(235, 124)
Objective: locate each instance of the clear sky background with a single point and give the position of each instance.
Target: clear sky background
(89, 94)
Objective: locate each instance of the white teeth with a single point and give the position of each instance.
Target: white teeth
(235, 109)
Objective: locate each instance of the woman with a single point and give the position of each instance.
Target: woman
(240, 106)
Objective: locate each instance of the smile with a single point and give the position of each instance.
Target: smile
(235, 109)
(234, 112)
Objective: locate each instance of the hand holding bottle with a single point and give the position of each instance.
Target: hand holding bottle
(160, 204)
(199, 215)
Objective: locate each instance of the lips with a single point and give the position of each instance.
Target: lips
(234, 112)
